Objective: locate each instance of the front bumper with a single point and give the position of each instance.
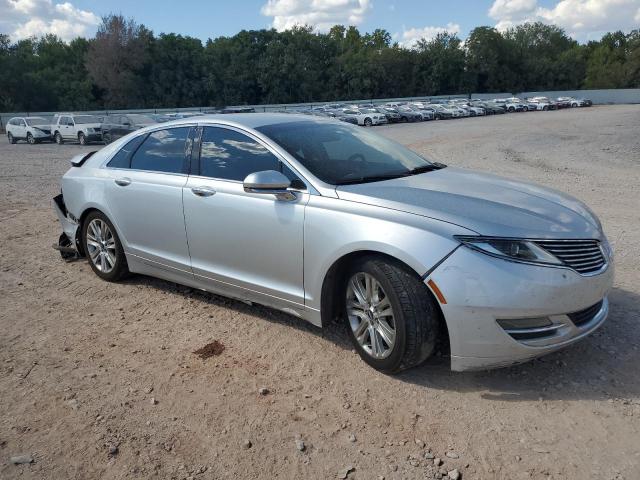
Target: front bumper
(480, 290)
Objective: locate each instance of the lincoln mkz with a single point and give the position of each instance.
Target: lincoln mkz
(327, 221)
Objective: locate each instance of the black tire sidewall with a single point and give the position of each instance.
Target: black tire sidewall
(121, 269)
(392, 362)
(58, 138)
(11, 138)
(82, 139)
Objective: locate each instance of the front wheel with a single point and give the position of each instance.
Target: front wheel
(392, 318)
(11, 138)
(367, 122)
(58, 138)
(103, 248)
(82, 140)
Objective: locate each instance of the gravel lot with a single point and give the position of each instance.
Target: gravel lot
(100, 380)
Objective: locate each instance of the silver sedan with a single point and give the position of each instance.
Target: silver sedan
(326, 221)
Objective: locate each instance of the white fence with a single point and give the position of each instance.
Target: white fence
(599, 97)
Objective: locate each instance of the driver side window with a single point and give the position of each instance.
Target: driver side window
(230, 155)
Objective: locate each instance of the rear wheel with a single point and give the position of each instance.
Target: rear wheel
(58, 138)
(103, 248)
(31, 139)
(11, 138)
(82, 139)
(392, 319)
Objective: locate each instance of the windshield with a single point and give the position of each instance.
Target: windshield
(83, 119)
(34, 122)
(340, 154)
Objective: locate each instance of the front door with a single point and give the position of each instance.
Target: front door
(243, 244)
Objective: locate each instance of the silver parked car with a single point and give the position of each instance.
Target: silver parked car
(325, 221)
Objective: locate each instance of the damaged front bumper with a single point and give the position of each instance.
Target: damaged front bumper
(68, 243)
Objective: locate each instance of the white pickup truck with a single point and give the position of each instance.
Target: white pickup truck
(78, 128)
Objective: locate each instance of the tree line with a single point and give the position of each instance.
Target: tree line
(126, 66)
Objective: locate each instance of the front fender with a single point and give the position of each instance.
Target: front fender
(335, 228)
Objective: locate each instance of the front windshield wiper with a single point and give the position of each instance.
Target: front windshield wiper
(372, 178)
(388, 176)
(426, 168)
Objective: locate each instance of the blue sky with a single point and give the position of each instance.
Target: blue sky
(406, 20)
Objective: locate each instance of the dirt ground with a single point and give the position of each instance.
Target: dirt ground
(99, 380)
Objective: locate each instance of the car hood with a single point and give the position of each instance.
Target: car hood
(487, 204)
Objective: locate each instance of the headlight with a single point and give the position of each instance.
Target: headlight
(511, 249)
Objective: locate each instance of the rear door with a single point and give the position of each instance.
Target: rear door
(67, 127)
(144, 193)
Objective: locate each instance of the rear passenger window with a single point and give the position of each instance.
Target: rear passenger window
(123, 157)
(230, 155)
(163, 151)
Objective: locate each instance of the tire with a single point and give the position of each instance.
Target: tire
(404, 119)
(511, 109)
(11, 138)
(413, 318)
(106, 138)
(545, 108)
(82, 140)
(367, 122)
(31, 139)
(58, 138)
(107, 261)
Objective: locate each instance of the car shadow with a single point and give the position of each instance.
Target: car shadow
(334, 332)
(600, 367)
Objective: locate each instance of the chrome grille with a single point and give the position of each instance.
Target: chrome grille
(584, 256)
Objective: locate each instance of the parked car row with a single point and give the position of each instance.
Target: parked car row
(83, 128)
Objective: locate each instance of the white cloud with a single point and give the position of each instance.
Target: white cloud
(509, 8)
(320, 14)
(25, 18)
(410, 37)
(582, 19)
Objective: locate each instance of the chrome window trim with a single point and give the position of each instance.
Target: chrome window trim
(104, 165)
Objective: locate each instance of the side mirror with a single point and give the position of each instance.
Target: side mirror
(269, 182)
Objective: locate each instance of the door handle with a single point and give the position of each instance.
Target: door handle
(203, 191)
(123, 182)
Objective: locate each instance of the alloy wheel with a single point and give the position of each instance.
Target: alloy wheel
(370, 315)
(101, 245)
(31, 139)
